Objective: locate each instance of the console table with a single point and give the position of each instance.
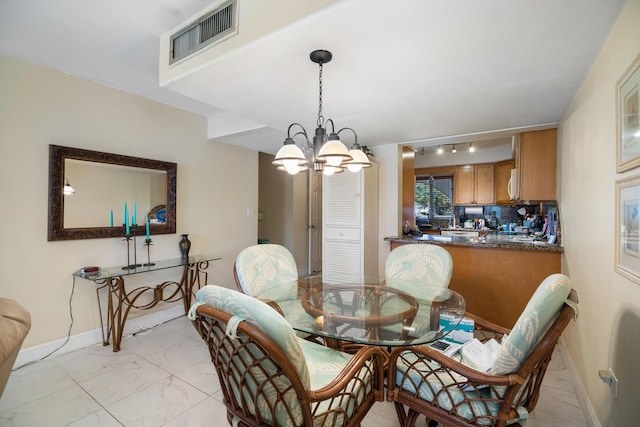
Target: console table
(120, 302)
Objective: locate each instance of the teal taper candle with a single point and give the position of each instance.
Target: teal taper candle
(126, 219)
(146, 225)
(133, 218)
(111, 218)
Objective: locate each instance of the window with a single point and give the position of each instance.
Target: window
(434, 197)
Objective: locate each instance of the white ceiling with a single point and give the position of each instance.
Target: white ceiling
(423, 72)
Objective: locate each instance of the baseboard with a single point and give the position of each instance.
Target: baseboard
(581, 393)
(94, 337)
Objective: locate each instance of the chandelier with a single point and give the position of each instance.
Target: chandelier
(325, 154)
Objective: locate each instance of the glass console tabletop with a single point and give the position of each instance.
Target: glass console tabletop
(106, 273)
(369, 312)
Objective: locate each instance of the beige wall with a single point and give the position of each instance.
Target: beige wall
(389, 159)
(283, 200)
(217, 184)
(607, 333)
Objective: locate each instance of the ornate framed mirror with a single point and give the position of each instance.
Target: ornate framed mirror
(102, 183)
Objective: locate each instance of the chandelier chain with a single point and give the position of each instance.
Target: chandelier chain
(326, 153)
(320, 117)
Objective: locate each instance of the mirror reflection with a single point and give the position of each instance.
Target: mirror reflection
(100, 189)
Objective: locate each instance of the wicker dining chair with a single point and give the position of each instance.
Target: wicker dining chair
(418, 269)
(450, 392)
(421, 270)
(271, 377)
(269, 272)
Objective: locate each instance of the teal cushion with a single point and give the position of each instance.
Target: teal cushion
(441, 385)
(541, 310)
(325, 365)
(267, 272)
(259, 315)
(417, 269)
(421, 270)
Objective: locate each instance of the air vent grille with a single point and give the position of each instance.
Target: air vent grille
(214, 26)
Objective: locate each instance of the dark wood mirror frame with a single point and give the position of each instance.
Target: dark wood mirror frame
(58, 155)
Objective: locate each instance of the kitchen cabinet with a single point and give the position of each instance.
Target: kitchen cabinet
(474, 184)
(536, 154)
(350, 225)
(503, 175)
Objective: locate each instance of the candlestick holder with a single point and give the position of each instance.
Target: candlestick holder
(131, 235)
(134, 229)
(147, 243)
(129, 266)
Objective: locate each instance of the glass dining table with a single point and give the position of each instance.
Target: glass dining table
(372, 313)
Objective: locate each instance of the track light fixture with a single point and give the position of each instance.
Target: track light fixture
(326, 154)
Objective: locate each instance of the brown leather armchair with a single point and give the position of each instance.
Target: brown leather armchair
(15, 322)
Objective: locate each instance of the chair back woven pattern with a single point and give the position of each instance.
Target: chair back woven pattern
(267, 271)
(453, 394)
(419, 268)
(265, 371)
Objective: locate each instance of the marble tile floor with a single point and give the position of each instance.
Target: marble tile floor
(164, 377)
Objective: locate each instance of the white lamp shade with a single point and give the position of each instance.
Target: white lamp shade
(334, 152)
(290, 153)
(359, 160)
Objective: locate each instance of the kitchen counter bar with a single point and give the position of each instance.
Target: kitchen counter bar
(495, 241)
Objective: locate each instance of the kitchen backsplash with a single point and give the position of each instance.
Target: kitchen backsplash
(541, 217)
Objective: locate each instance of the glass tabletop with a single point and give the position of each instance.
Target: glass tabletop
(106, 273)
(369, 312)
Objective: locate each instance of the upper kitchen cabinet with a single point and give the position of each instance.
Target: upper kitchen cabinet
(536, 165)
(503, 175)
(474, 185)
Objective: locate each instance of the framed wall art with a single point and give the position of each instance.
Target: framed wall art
(628, 228)
(628, 118)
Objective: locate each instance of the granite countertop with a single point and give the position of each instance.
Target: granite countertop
(489, 241)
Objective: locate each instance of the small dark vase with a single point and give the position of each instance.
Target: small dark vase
(185, 245)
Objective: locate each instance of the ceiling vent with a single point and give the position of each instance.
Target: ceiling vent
(211, 28)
